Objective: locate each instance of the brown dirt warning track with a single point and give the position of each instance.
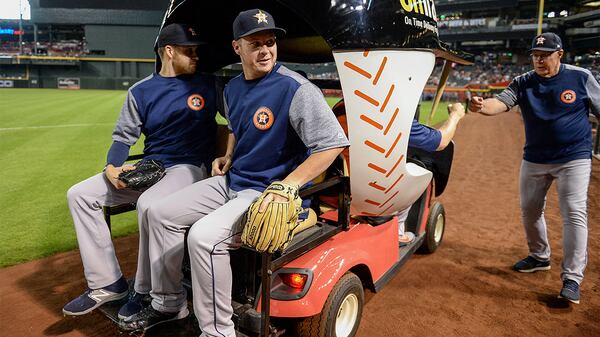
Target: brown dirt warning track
(466, 288)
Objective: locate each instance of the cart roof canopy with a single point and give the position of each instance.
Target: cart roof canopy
(315, 28)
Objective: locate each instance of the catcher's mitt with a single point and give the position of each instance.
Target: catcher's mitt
(272, 229)
(145, 174)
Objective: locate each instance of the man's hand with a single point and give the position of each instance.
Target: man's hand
(221, 165)
(456, 110)
(112, 173)
(476, 104)
(271, 197)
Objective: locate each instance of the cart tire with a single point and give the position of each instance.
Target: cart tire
(434, 232)
(347, 295)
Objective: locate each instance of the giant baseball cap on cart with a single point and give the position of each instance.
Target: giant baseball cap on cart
(178, 34)
(253, 21)
(546, 42)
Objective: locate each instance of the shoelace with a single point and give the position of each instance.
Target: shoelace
(571, 285)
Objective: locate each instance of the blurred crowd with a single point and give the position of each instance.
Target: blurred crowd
(68, 48)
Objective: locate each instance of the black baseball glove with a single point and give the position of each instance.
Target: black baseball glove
(146, 173)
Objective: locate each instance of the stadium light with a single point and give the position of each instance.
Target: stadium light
(12, 10)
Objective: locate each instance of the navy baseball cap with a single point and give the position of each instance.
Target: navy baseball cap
(546, 42)
(178, 34)
(253, 21)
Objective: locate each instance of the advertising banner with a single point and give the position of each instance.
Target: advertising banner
(68, 83)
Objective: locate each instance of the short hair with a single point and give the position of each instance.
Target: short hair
(161, 52)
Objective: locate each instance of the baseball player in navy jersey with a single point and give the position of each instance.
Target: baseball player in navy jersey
(555, 101)
(281, 129)
(175, 111)
(429, 139)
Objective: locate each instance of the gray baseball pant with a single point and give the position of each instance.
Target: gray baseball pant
(572, 180)
(214, 212)
(86, 200)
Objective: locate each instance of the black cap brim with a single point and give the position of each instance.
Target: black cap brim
(544, 49)
(278, 31)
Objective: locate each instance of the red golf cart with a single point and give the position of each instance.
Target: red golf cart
(386, 49)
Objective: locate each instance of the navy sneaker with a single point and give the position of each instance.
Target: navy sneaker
(93, 298)
(150, 317)
(570, 291)
(136, 303)
(529, 265)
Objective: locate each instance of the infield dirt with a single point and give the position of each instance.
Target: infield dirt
(466, 288)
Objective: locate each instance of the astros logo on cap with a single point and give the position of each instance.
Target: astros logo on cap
(261, 17)
(568, 96)
(195, 102)
(263, 118)
(540, 40)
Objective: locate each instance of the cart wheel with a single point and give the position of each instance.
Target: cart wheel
(341, 313)
(434, 233)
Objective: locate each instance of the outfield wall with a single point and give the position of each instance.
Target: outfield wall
(98, 73)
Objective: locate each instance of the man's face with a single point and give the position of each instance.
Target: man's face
(185, 59)
(258, 53)
(546, 63)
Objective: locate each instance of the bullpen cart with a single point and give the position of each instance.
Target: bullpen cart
(384, 51)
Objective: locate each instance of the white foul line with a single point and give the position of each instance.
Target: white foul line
(54, 126)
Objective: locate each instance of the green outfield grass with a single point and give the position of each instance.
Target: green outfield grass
(50, 140)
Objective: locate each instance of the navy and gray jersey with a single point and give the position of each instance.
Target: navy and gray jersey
(555, 113)
(423, 137)
(175, 114)
(278, 121)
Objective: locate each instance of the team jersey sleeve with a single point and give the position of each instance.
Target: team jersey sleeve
(423, 137)
(510, 95)
(129, 124)
(226, 113)
(117, 154)
(126, 132)
(313, 120)
(593, 93)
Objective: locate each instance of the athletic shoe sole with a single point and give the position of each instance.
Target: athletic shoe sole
(568, 299)
(533, 269)
(110, 299)
(181, 315)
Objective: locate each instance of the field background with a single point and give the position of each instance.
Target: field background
(51, 139)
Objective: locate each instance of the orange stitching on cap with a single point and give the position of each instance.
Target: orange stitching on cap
(357, 69)
(387, 98)
(375, 185)
(387, 128)
(395, 182)
(374, 146)
(393, 145)
(366, 98)
(390, 198)
(368, 201)
(372, 122)
(366, 53)
(376, 168)
(394, 167)
(380, 70)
